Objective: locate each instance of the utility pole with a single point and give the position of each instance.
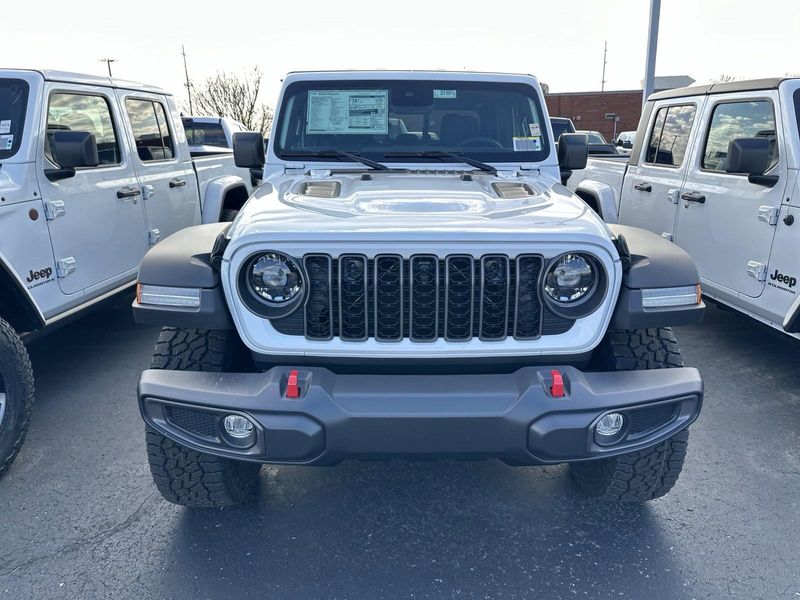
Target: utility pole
(652, 46)
(108, 62)
(188, 83)
(605, 54)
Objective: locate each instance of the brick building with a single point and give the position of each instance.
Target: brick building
(588, 109)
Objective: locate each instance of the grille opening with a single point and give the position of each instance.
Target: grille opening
(423, 298)
(647, 419)
(198, 422)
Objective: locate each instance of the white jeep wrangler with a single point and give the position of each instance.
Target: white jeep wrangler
(93, 171)
(413, 280)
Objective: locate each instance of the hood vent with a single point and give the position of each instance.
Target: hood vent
(511, 190)
(321, 189)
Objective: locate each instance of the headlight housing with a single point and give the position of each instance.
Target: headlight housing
(273, 284)
(570, 278)
(574, 284)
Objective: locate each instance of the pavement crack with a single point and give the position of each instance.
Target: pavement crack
(67, 548)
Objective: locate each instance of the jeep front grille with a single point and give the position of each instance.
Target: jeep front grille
(423, 298)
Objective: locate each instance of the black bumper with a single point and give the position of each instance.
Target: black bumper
(512, 417)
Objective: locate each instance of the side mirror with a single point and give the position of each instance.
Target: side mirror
(627, 144)
(72, 150)
(618, 142)
(248, 150)
(749, 156)
(573, 151)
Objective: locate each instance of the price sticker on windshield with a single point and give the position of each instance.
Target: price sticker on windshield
(445, 94)
(527, 144)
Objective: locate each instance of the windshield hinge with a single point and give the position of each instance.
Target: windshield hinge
(528, 167)
(321, 173)
(506, 174)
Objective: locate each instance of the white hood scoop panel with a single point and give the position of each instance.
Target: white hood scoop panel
(415, 194)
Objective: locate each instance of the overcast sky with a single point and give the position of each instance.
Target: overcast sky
(560, 42)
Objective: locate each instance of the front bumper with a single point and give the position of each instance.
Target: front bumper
(512, 417)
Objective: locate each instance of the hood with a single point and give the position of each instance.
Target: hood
(430, 206)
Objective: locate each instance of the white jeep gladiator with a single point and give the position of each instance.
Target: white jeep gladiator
(93, 171)
(715, 170)
(412, 280)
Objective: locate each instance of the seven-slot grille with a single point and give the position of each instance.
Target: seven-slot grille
(422, 298)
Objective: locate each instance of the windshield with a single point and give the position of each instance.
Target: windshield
(595, 138)
(13, 102)
(561, 126)
(204, 134)
(409, 121)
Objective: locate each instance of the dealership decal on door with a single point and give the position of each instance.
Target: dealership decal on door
(789, 280)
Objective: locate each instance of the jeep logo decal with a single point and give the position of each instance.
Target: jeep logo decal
(781, 278)
(40, 274)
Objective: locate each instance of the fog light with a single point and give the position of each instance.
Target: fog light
(610, 425)
(238, 427)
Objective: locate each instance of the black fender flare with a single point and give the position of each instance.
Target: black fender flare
(16, 305)
(653, 262)
(188, 258)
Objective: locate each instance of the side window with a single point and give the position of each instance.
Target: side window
(670, 135)
(734, 120)
(82, 112)
(150, 131)
(205, 134)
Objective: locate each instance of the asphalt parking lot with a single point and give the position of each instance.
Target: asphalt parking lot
(79, 516)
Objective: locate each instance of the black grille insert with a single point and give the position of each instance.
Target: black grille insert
(646, 419)
(424, 298)
(199, 422)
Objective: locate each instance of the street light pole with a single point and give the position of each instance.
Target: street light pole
(652, 46)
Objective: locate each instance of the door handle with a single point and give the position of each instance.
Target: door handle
(128, 192)
(176, 183)
(643, 187)
(693, 197)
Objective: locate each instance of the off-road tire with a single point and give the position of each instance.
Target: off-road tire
(646, 474)
(16, 382)
(183, 476)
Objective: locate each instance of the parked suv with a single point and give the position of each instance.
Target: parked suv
(428, 294)
(715, 170)
(93, 172)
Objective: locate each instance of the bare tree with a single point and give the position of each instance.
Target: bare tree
(236, 97)
(724, 78)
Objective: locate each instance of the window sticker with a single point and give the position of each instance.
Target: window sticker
(536, 131)
(527, 144)
(348, 111)
(447, 94)
(6, 142)
(5, 126)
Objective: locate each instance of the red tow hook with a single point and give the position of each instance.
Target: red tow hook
(557, 389)
(292, 387)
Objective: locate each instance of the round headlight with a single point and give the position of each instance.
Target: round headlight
(571, 278)
(275, 278)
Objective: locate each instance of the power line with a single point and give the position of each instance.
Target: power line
(108, 62)
(188, 83)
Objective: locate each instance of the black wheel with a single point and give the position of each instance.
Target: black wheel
(184, 476)
(16, 394)
(647, 474)
(228, 215)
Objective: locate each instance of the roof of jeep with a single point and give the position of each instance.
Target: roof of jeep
(85, 79)
(410, 73)
(749, 85)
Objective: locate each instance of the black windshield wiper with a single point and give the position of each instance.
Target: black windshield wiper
(337, 154)
(441, 155)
